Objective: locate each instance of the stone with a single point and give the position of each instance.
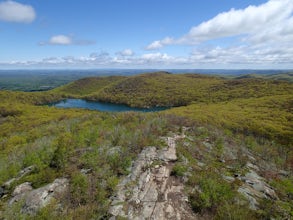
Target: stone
(284, 173)
(252, 166)
(20, 191)
(200, 164)
(254, 188)
(150, 192)
(22, 188)
(21, 174)
(169, 154)
(8, 183)
(228, 178)
(251, 200)
(208, 145)
(2, 192)
(38, 198)
(85, 171)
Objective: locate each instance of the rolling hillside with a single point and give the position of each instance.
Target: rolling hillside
(88, 85)
(164, 89)
(228, 140)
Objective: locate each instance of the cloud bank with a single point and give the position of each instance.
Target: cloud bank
(11, 11)
(220, 57)
(264, 22)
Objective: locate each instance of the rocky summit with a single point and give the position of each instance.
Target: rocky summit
(150, 191)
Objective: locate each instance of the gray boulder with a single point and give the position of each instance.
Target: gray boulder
(38, 198)
(20, 191)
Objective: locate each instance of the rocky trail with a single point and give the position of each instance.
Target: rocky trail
(150, 191)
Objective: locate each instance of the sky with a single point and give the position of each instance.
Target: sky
(226, 34)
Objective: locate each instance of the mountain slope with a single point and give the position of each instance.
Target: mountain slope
(88, 85)
(157, 89)
(163, 89)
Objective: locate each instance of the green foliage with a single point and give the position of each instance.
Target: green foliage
(89, 85)
(79, 188)
(179, 170)
(235, 211)
(162, 89)
(119, 162)
(156, 89)
(267, 117)
(214, 191)
(280, 76)
(284, 207)
(59, 158)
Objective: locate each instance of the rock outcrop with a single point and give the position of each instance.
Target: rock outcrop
(149, 191)
(34, 199)
(8, 183)
(254, 187)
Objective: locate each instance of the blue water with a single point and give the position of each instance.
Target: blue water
(101, 106)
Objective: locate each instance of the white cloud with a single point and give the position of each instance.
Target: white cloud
(65, 40)
(126, 52)
(12, 11)
(159, 44)
(60, 40)
(262, 37)
(243, 56)
(156, 57)
(270, 18)
(250, 20)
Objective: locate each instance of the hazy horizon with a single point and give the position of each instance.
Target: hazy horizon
(244, 34)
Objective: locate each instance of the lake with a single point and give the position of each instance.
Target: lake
(101, 106)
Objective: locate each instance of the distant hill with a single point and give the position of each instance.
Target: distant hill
(88, 85)
(280, 76)
(164, 89)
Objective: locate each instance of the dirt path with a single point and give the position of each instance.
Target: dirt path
(149, 191)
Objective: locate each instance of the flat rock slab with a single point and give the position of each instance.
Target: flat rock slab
(149, 191)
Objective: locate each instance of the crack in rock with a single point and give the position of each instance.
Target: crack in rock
(149, 191)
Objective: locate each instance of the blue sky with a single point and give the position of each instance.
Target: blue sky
(146, 34)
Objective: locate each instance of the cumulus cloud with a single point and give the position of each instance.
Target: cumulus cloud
(12, 11)
(65, 40)
(257, 22)
(60, 40)
(243, 56)
(102, 59)
(160, 43)
(126, 52)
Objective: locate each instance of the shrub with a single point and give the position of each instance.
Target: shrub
(179, 170)
(213, 192)
(63, 145)
(234, 211)
(79, 188)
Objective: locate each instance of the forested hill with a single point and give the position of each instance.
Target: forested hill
(164, 89)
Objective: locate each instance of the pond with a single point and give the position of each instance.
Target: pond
(101, 106)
